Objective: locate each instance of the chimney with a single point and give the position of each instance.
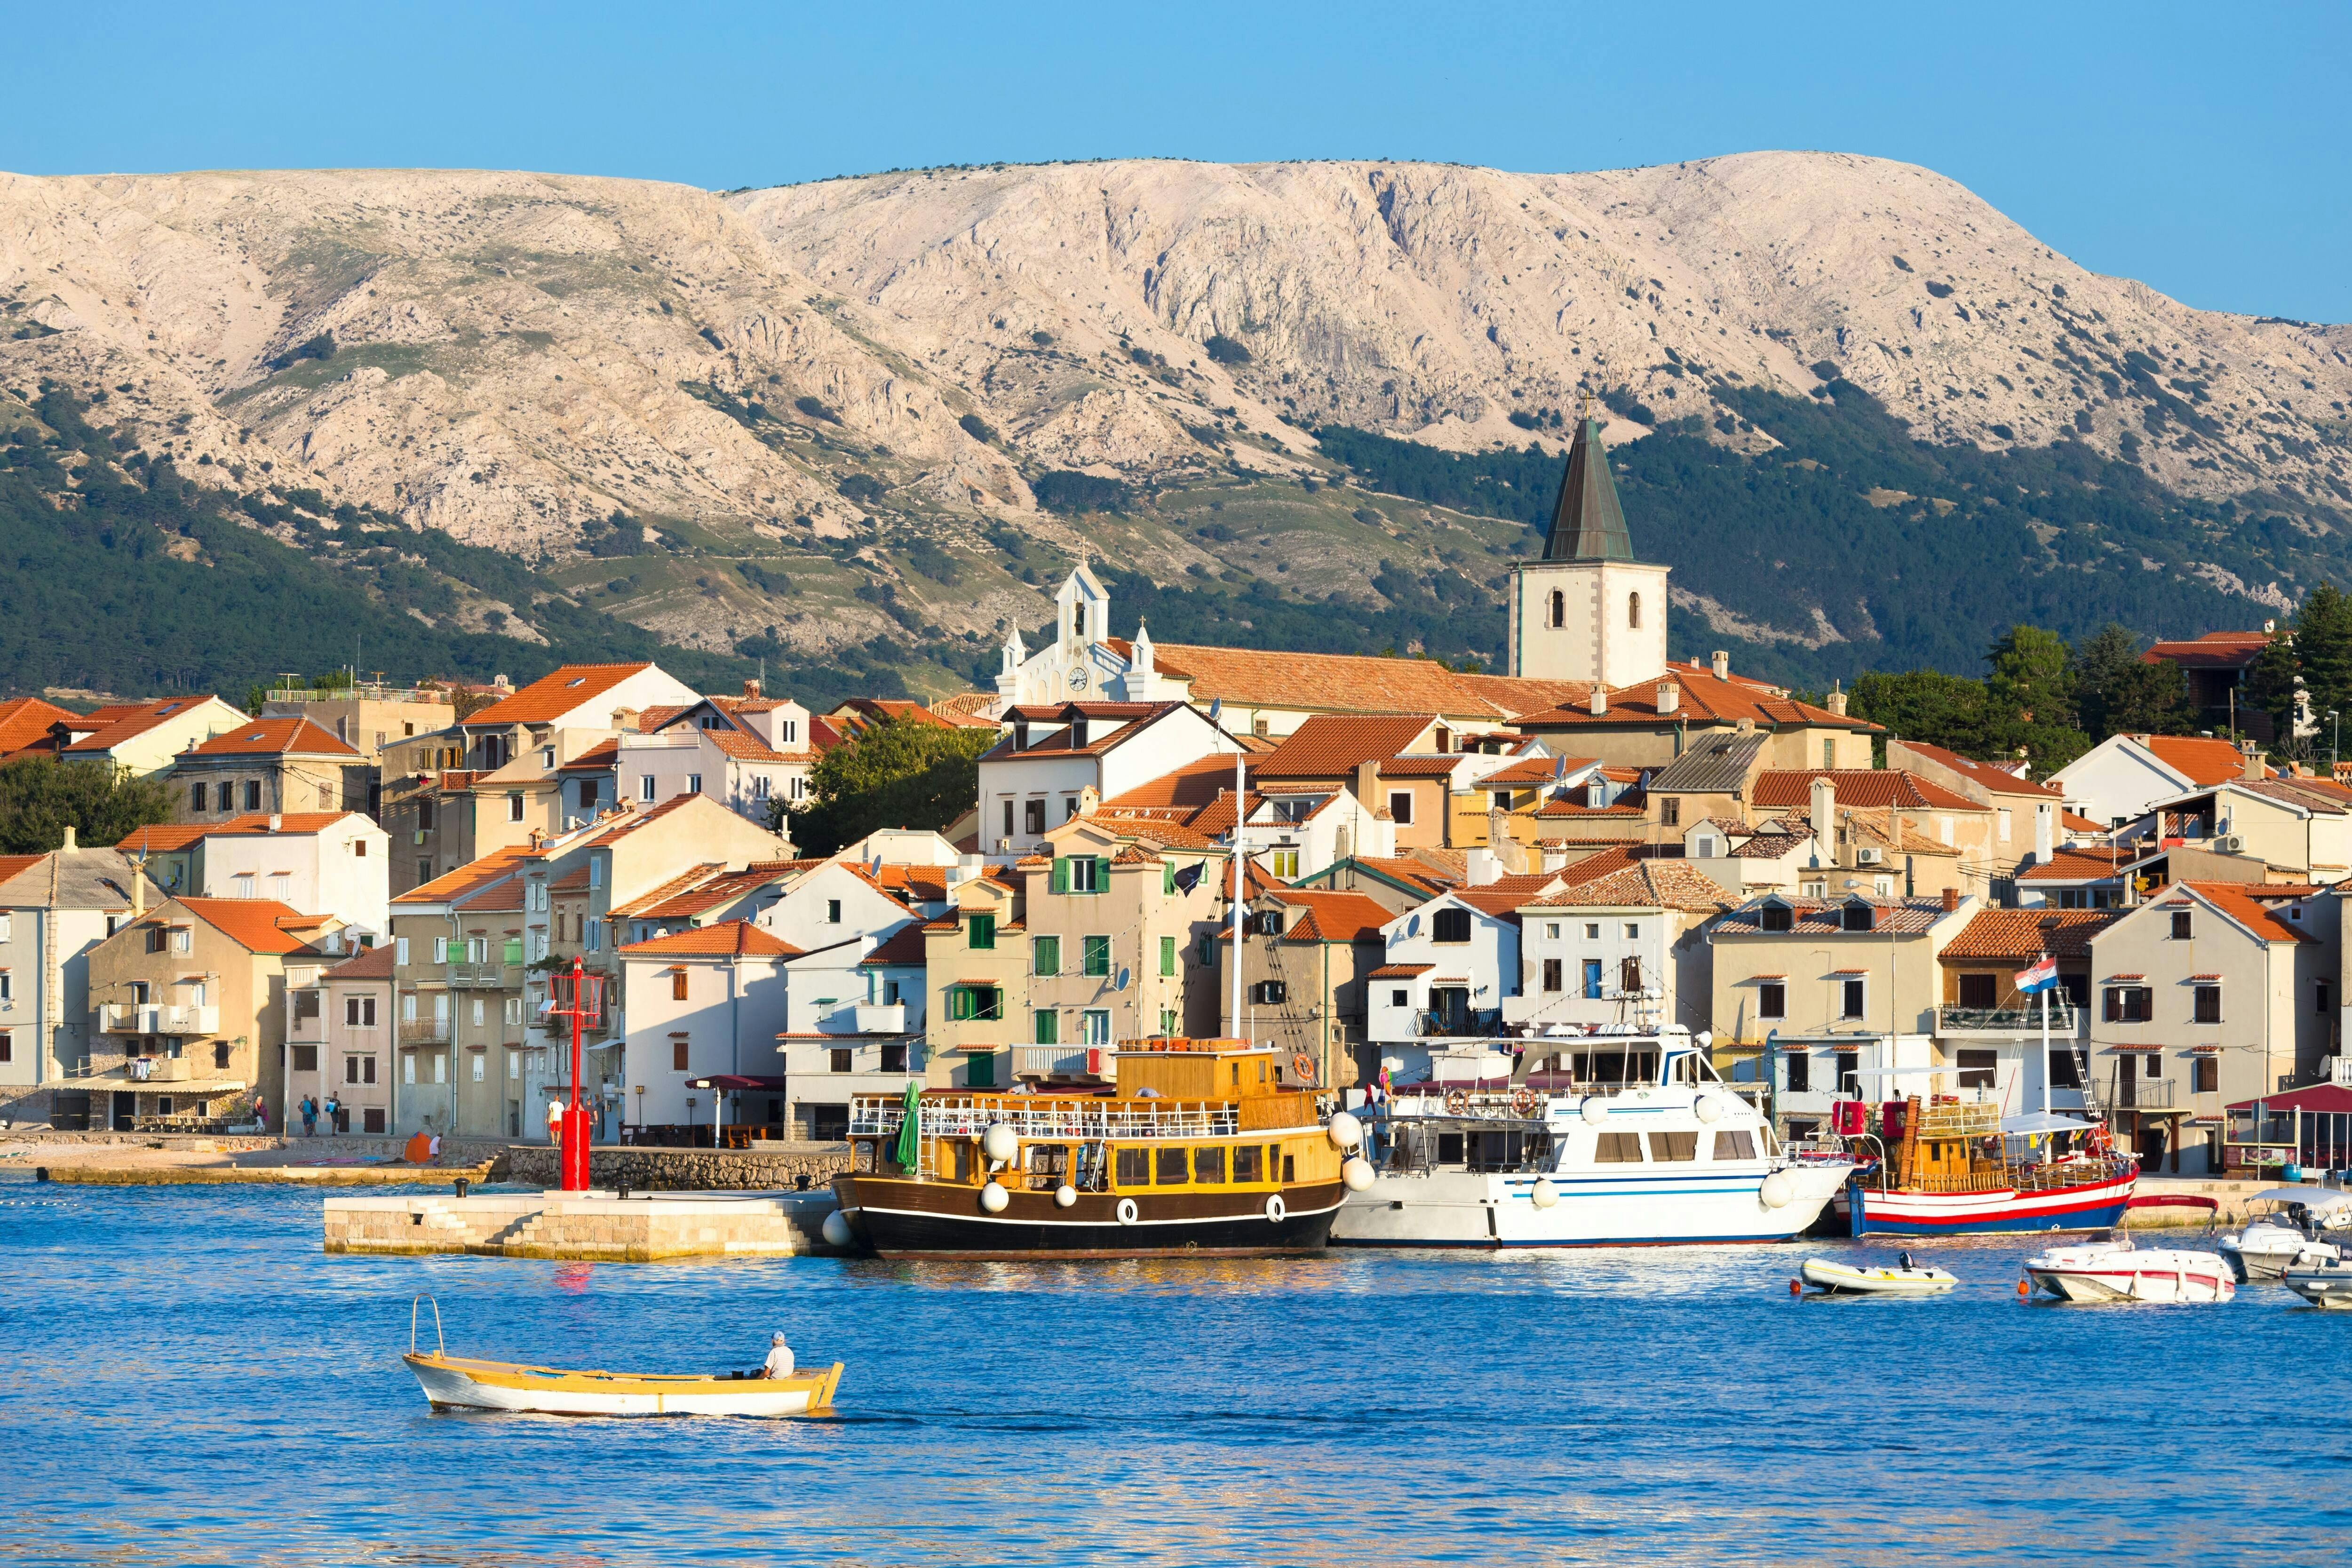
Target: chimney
(277, 822)
(1089, 799)
(1368, 782)
(2253, 754)
(68, 847)
(1951, 900)
(2045, 817)
(625, 719)
(1825, 816)
(1837, 701)
(1482, 868)
(1600, 699)
(1670, 696)
(1722, 663)
(751, 690)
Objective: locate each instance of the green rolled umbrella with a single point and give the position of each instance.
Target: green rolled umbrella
(910, 1128)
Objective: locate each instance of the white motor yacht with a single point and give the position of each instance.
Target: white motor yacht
(2327, 1284)
(2291, 1238)
(2117, 1271)
(1601, 1140)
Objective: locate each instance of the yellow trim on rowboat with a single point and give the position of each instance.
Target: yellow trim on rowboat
(546, 1379)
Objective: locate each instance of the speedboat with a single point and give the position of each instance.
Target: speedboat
(470, 1383)
(2326, 1283)
(2118, 1271)
(1904, 1279)
(1607, 1140)
(2274, 1243)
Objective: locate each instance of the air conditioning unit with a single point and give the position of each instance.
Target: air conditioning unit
(2230, 844)
(1869, 856)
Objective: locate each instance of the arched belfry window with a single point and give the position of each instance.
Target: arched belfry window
(1078, 619)
(1559, 608)
(1634, 611)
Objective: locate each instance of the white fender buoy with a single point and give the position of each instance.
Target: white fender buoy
(839, 1231)
(1127, 1211)
(1595, 1110)
(1707, 1109)
(1276, 1210)
(1064, 1195)
(1345, 1132)
(1544, 1193)
(1000, 1143)
(993, 1197)
(1356, 1175)
(1777, 1192)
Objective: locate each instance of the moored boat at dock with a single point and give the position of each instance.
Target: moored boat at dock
(1604, 1139)
(2115, 1270)
(1953, 1165)
(1200, 1147)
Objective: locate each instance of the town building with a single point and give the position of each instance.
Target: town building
(1057, 762)
(55, 910)
(2213, 669)
(143, 738)
(705, 1007)
(1588, 611)
(1309, 960)
(750, 754)
(1991, 1036)
(328, 862)
(1449, 969)
(367, 716)
(1627, 949)
(341, 1045)
(31, 726)
(271, 765)
(1654, 721)
(2122, 778)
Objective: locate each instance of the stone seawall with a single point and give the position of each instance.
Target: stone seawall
(772, 1168)
(596, 1227)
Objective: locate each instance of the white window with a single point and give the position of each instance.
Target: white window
(399, 950)
(1094, 1026)
(547, 758)
(1944, 828)
(182, 939)
(408, 1068)
(440, 950)
(1285, 864)
(644, 786)
(440, 1067)
(478, 948)
(514, 1064)
(537, 945)
(478, 1012)
(693, 784)
(8, 926)
(799, 786)
(2000, 820)
(480, 1067)
(408, 1007)
(789, 732)
(7, 992)
(514, 806)
(244, 882)
(514, 1009)
(1552, 930)
(760, 786)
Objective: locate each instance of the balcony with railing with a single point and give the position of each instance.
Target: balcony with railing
(2065, 1018)
(2140, 1094)
(1083, 1063)
(425, 1031)
(158, 1018)
(485, 976)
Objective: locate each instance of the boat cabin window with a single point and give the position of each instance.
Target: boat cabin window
(1618, 1149)
(1665, 1146)
(1050, 1161)
(1246, 1164)
(1737, 1145)
(1209, 1165)
(1289, 1169)
(1134, 1167)
(1171, 1171)
(1449, 1149)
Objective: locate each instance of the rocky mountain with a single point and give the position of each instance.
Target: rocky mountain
(882, 411)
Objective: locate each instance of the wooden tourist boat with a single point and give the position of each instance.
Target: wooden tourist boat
(1950, 1165)
(1200, 1147)
(472, 1383)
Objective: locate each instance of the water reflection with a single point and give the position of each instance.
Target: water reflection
(190, 1379)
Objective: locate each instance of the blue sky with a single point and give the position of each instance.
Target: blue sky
(2206, 150)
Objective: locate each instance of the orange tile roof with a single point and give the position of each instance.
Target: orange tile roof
(163, 837)
(1190, 787)
(1576, 873)
(2073, 821)
(1158, 829)
(24, 721)
(1702, 700)
(2214, 650)
(639, 818)
(2234, 899)
(2001, 781)
(599, 758)
(575, 883)
(2199, 760)
(376, 964)
(258, 925)
(555, 694)
(906, 945)
(1331, 916)
(749, 748)
(1330, 745)
(643, 906)
(718, 891)
(2022, 936)
(1412, 873)
(12, 865)
(273, 738)
(452, 885)
(730, 939)
(1645, 885)
(2079, 863)
(1348, 683)
(122, 721)
(1792, 789)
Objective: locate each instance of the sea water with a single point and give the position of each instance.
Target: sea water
(187, 1378)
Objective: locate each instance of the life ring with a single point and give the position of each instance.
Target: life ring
(1456, 1102)
(1523, 1100)
(1275, 1209)
(1127, 1211)
(1302, 1068)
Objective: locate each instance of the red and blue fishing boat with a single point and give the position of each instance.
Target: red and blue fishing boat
(1949, 1166)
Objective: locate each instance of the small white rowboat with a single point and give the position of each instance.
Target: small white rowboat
(1904, 1279)
(468, 1382)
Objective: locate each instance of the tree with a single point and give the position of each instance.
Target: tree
(39, 797)
(2323, 650)
(2030, 700)
(1924, 705)
(2119, 692)
(2273, 687)
(902, 772)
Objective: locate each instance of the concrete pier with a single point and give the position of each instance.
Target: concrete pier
(596, 1226)
(765, 1167)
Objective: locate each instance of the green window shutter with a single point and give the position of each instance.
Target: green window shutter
(982, 1070)
(1167, 877)
(959, 1003)
(983, 933)
(1046, 955)
(1049, 1028)
(1167, 956)
(1102, 874)
(1061, 874)
(1097, 955)
(1208, 950)
(1168, 1022)
(514, 950)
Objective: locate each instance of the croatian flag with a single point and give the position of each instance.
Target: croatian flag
(2042, 976)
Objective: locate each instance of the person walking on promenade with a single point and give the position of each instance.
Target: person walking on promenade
(310, 1117)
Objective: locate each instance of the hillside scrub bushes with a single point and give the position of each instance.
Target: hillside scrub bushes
(1068, 491)
(1224, 350)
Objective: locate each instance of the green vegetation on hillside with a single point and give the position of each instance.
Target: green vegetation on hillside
(40, 796)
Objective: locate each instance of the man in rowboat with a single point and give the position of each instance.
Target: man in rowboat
(780, 1358)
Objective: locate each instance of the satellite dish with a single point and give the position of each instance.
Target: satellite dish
(1122, 980)
(1412, 926)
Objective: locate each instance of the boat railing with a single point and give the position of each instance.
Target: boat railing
(440, 1346)
(880, 1116)
(1960, 1119)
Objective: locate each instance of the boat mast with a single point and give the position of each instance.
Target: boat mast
(1235, 1031)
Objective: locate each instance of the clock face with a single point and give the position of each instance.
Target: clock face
(1077, 680)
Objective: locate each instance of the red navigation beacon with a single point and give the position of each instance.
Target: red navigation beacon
(579, 996)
